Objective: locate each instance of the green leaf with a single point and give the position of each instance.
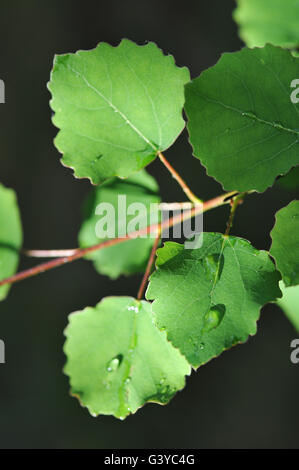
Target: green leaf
(290, 181)
(10, 236)
(116, 107)
(118, 360)
(289, 303)
(209, 299)
(129, 257)
(285, 243)
(243, 125)
(275, 21)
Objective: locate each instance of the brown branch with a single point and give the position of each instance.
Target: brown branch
(170, 206)
(148, 267)
(80, 253)
(190, 195)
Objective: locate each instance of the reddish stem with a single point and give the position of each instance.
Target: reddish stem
(148, 267)
(190, 195)
(81, 252)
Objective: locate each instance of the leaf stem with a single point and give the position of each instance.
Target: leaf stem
(148, 267)
(171, 206)
(234, 204)
(81, 252)
(190, 195)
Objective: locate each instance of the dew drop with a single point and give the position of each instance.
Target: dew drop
(114, 364)
(162, 381)
(213, 318)
(210, 264)
(134, 309)
(106, 384)
(250, 114)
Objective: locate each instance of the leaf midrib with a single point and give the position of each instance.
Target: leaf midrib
(249, 115)
(115, 108)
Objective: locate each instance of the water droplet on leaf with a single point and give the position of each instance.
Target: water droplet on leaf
(210, 264)
(213, 318)
(134, 308)
(250, 114)
(114, 364)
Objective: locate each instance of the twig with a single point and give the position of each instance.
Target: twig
(190, 195)
(148, 267)
(80, 253)
(170, 206)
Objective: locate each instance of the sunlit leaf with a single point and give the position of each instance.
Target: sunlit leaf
(118, 360)
(116, 107)
(10, 236)
(209, 299)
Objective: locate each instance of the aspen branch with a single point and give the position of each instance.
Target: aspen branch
(151, 229)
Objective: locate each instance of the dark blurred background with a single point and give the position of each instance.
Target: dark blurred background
(248, 397)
